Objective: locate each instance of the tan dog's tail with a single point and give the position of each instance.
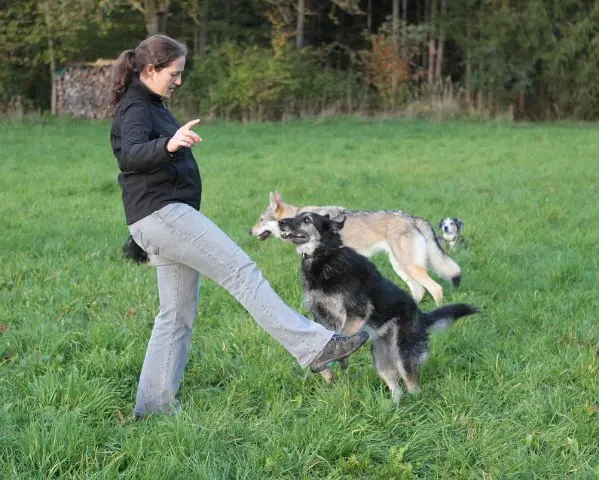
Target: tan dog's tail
(439, 261)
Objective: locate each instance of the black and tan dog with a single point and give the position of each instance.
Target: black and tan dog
(345, 292)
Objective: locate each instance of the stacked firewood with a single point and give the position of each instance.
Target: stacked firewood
(83, 90)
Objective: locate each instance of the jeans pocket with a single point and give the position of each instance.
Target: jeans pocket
(172, 213)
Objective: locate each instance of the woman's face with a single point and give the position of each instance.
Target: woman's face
(163, 82)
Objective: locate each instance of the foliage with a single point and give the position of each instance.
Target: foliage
(391, 59)
(571, 60)
(36, 33)
(545, 50)
(252, 83)
(539, 57)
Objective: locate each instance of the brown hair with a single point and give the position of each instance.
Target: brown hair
(157, 50)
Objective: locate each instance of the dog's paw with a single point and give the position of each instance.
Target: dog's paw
(328, 375)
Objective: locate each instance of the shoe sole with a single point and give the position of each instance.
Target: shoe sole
(324, 365)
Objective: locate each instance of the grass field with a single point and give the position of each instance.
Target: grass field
(512, 393)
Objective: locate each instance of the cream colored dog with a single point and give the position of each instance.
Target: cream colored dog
(409, 241)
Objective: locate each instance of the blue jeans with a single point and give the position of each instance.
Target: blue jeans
(183, 243)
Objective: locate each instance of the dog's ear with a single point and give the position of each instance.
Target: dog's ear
(275, 201)
(440, 223)
(327, 216)
(338, 225)
(459, 223)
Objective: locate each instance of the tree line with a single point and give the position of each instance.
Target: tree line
(269, 59)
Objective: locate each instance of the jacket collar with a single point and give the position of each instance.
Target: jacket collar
(140, 89)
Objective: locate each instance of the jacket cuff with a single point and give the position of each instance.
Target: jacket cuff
(168, 154)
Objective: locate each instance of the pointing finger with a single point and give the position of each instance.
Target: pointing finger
(190, 124)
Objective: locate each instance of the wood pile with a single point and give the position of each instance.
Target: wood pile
(83, 90)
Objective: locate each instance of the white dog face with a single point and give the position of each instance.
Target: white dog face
(451, 228)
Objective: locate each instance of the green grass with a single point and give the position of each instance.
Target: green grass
(511, 393)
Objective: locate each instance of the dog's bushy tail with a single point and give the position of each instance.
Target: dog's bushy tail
(439, 261)
(133, 251)
(442, 318)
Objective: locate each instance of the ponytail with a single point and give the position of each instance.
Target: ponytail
(122, 74)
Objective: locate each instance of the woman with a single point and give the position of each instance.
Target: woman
(161, 190)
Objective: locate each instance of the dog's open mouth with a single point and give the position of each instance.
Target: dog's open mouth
(265, 234)
(295, 237)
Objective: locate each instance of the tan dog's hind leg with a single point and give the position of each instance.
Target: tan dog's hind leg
(402, 271)
(420, 273)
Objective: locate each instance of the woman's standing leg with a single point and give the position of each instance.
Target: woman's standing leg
(167, 351)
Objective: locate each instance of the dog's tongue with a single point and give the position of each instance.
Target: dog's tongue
(264, 235)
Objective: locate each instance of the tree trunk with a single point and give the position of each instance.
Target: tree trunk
(395, 33)
(441, 43)
(301, 12)
(395, 21)
(521, 104)
(52, 73)
(162, 20)
(204, 27)
(468, 80)
(152, 25)
(196, 39)
(369, 17)
(404, 21)
(431, 43)
(155, 13)
(156, 24)
(202, 39)
(199, 29)
(53, 92)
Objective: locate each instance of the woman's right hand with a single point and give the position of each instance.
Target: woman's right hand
(184, 137)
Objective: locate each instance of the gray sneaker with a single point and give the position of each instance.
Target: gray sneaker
(338, 348)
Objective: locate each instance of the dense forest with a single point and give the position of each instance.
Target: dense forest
(275, 59)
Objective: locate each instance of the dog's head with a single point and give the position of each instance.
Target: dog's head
(310, 232)
(268, 223)
(451, 228)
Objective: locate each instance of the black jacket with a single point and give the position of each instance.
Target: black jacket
(151, 177)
